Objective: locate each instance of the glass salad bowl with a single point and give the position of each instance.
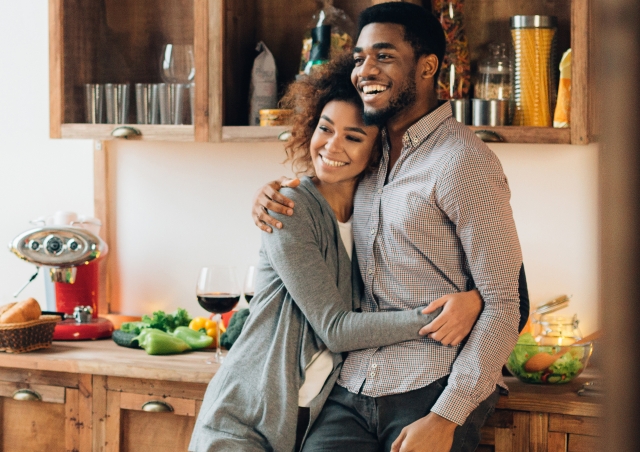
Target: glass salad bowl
(569, 361)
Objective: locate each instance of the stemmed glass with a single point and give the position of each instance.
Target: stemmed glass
(249, 283)
(218, 292)
(177, 63)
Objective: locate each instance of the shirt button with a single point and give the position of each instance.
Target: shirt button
(370, 271)
(373, 231)
(379, 191)
(372, 374)
(374, 365)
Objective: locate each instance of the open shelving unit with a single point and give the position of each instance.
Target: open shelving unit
(119, 41)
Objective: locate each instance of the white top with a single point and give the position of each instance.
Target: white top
(321, 364)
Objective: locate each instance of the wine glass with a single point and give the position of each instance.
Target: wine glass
(218, 292)
(177, 64)
(249, 283)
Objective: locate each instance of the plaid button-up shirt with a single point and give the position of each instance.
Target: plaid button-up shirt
(440, 223)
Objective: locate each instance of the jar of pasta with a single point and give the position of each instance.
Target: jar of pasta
(534, 42)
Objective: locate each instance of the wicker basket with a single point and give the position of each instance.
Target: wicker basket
(27, 336)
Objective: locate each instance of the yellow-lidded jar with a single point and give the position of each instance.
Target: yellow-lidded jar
(275, 117)
(534, 40)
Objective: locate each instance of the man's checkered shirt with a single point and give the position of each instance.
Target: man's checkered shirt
(441, 223)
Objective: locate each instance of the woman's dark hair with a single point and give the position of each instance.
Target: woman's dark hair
(421, 28)
(307, 98)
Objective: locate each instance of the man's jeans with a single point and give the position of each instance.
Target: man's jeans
(358, 423)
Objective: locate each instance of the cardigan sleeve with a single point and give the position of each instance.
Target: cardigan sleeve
(294, 253)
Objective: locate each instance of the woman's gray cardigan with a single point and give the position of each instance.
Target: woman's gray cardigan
(303, 300)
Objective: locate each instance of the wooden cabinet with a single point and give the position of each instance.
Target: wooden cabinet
(146, 415)
(120, 41)
(44, 411)
(97, 396)
(543, 419)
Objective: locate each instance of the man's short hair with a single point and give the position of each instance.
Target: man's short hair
(421, 28)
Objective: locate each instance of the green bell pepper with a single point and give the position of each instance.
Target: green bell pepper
(195, 339)
(157, 342)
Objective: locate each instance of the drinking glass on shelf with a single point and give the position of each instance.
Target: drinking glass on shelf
(249, 283)
(218, 292)
(177, 64)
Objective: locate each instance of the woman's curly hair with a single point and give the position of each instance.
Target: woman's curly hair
(307, 98)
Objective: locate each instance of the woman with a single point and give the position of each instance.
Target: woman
(302, 314)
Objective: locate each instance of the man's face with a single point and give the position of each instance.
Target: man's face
(384, 72)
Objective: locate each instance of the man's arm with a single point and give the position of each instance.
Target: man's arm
(474, 194)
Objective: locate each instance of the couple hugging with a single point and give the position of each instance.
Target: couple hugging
(390, 293)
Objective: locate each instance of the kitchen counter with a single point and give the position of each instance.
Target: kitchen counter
(104, 357)
(108, 388)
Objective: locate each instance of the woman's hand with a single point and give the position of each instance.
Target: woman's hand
(454, 323)
(269, 197)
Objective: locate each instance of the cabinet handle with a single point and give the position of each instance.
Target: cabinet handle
(156, 406)
(489, 136)
(284, 136)
(125, 132)
(26, 394)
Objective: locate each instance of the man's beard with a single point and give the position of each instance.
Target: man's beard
(404, 99)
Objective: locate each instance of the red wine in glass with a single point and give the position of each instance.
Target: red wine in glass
(217, 291)
(248, 297)
(218, 302)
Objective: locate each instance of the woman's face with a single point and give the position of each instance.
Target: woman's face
(341, 145)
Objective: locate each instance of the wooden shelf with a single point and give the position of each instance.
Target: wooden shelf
(517, 134)
(118, 41)
(154, 132)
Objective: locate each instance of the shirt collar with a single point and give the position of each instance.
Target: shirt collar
(419, 131)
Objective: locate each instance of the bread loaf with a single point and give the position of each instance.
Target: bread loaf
(24, 311)
(6, 307)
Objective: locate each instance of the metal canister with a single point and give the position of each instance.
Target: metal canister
(534, 42)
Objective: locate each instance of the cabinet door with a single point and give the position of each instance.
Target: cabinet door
(38, 418)
(141, 423)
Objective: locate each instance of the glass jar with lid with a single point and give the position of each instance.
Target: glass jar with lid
(558, 330)
(494, 75)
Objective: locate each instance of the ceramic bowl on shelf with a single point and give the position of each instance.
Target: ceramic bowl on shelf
(562, 370)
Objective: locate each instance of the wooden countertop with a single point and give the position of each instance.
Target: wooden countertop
(104, 357)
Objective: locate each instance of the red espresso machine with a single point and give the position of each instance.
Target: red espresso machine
(72, 256)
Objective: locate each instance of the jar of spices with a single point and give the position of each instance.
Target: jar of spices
(454, 80)
(494, 75)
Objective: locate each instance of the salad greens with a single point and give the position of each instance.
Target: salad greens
(563, 370)
(158, 320)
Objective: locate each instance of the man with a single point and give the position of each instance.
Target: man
(434, 219)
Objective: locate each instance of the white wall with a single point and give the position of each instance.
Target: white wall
(181, 206)
(554, 198)
(37, 175)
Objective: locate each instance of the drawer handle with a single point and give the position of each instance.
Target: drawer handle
(489, 136)
(26, 394)
(284, 136)
(125, 132)
(157, 406)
